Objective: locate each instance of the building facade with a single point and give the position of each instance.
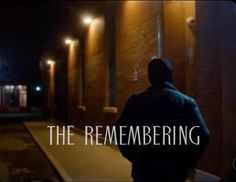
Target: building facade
(95, 74)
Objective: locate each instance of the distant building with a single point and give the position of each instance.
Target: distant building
(13, 95)
(17, 93)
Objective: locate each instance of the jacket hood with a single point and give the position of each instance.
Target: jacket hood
(159, 71)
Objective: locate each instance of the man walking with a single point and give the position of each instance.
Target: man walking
(163, 106)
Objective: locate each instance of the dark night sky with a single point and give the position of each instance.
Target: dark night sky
(31, 31)
(27, 32)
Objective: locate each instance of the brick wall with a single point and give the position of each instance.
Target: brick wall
(208, 87)
(95, 67)
(73, 81)
(228, 66)
(216, 80)
(176, 37)
(136, 43)
(61, 100)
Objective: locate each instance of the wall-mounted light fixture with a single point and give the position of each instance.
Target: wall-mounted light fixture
(87, 20)
(68, 41)
(50, 62)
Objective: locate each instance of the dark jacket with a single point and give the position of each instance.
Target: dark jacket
(163, 105)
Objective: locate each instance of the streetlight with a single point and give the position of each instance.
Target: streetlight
(38, 88)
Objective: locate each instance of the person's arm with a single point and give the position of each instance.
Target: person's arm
(125, 119)
(198, 151)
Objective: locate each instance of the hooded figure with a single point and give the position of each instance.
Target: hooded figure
(159, 71)
(162, 105)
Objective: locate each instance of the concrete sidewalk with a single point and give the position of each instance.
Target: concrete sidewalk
(89, 162)
(81, 162)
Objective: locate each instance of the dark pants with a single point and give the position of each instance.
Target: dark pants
(158, 179)
(159, 175)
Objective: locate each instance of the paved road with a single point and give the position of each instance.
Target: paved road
(20, 157)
